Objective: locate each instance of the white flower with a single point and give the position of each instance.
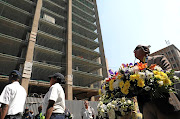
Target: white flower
(160, 83)
(149, 74)
(114, 102)
(147, 88)
(113, 106)
(123, 99)
(102, 110)
(142, 75)
(158, 68)
(116, 84)
(167, 72)
(135, 69)
(129, 101)
(151, 80)
(175, 78)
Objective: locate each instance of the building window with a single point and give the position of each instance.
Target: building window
(172, 51)
(174, 65)
(175, 58)
(178, 64)
(169, 53)
(171, 59)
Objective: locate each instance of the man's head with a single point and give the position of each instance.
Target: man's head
(15, 76)
(57, 78)
(141, 51)
(40, 109)
(86, 104)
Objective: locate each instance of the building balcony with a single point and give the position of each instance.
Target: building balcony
(93, 54)
(51, 28)
(78, 19)
(7, 43)
(52, 6)
(14, 13)
(84, 41)
(59, 19)
(83, 14)
(84, 79)
(88, 3)
(60, 2)
(84, 31)
(7, 63)
(82, 64)
(84, 7)
(13, 28)
(41, 70)
(84, 92)
(49, 41)
(26, 5)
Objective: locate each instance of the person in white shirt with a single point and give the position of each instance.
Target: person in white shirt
(13, 98)
(53, 105)
(87, 112)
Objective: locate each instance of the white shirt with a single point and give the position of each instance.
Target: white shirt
(14, 95)
(55, 93)
(87, 113)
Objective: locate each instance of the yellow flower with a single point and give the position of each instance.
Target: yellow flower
(121, 84)
(119, 76)
(124, 91)
(104, 87)
(112, 95)
(132, 77)
(140, 83)
(100, 92)
(158, 77)
(111, 88)
(156, 72)
(127, 85)
(167, 82)
(137, 76)
(164, 75)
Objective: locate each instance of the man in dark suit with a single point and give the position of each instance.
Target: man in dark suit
(151, 109)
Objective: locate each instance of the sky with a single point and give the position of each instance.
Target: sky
(127, 23)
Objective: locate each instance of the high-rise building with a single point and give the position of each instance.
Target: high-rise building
(172, 53)
(41, 37)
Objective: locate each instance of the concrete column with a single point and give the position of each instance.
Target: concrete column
(26, 73)
(69, 76)
(101, 47)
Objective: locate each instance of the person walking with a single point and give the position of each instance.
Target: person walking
(53, 105)
(87, 112)
(13, 98)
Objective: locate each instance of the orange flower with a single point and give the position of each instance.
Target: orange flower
(152, 66)
(142, 66)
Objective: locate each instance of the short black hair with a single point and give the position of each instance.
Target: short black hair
(59, 77)
(15, 75)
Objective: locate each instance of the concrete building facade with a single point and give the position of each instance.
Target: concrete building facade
(41, 37)
(172, 53)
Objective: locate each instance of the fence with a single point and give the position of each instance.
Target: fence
(75, 106)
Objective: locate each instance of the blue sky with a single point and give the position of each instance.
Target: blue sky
(127, 23)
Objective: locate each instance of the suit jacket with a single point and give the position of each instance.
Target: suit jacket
(160, 60)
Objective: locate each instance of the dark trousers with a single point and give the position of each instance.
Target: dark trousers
(57, 116)
(13, 117)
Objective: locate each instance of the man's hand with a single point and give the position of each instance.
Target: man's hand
(4, 111)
